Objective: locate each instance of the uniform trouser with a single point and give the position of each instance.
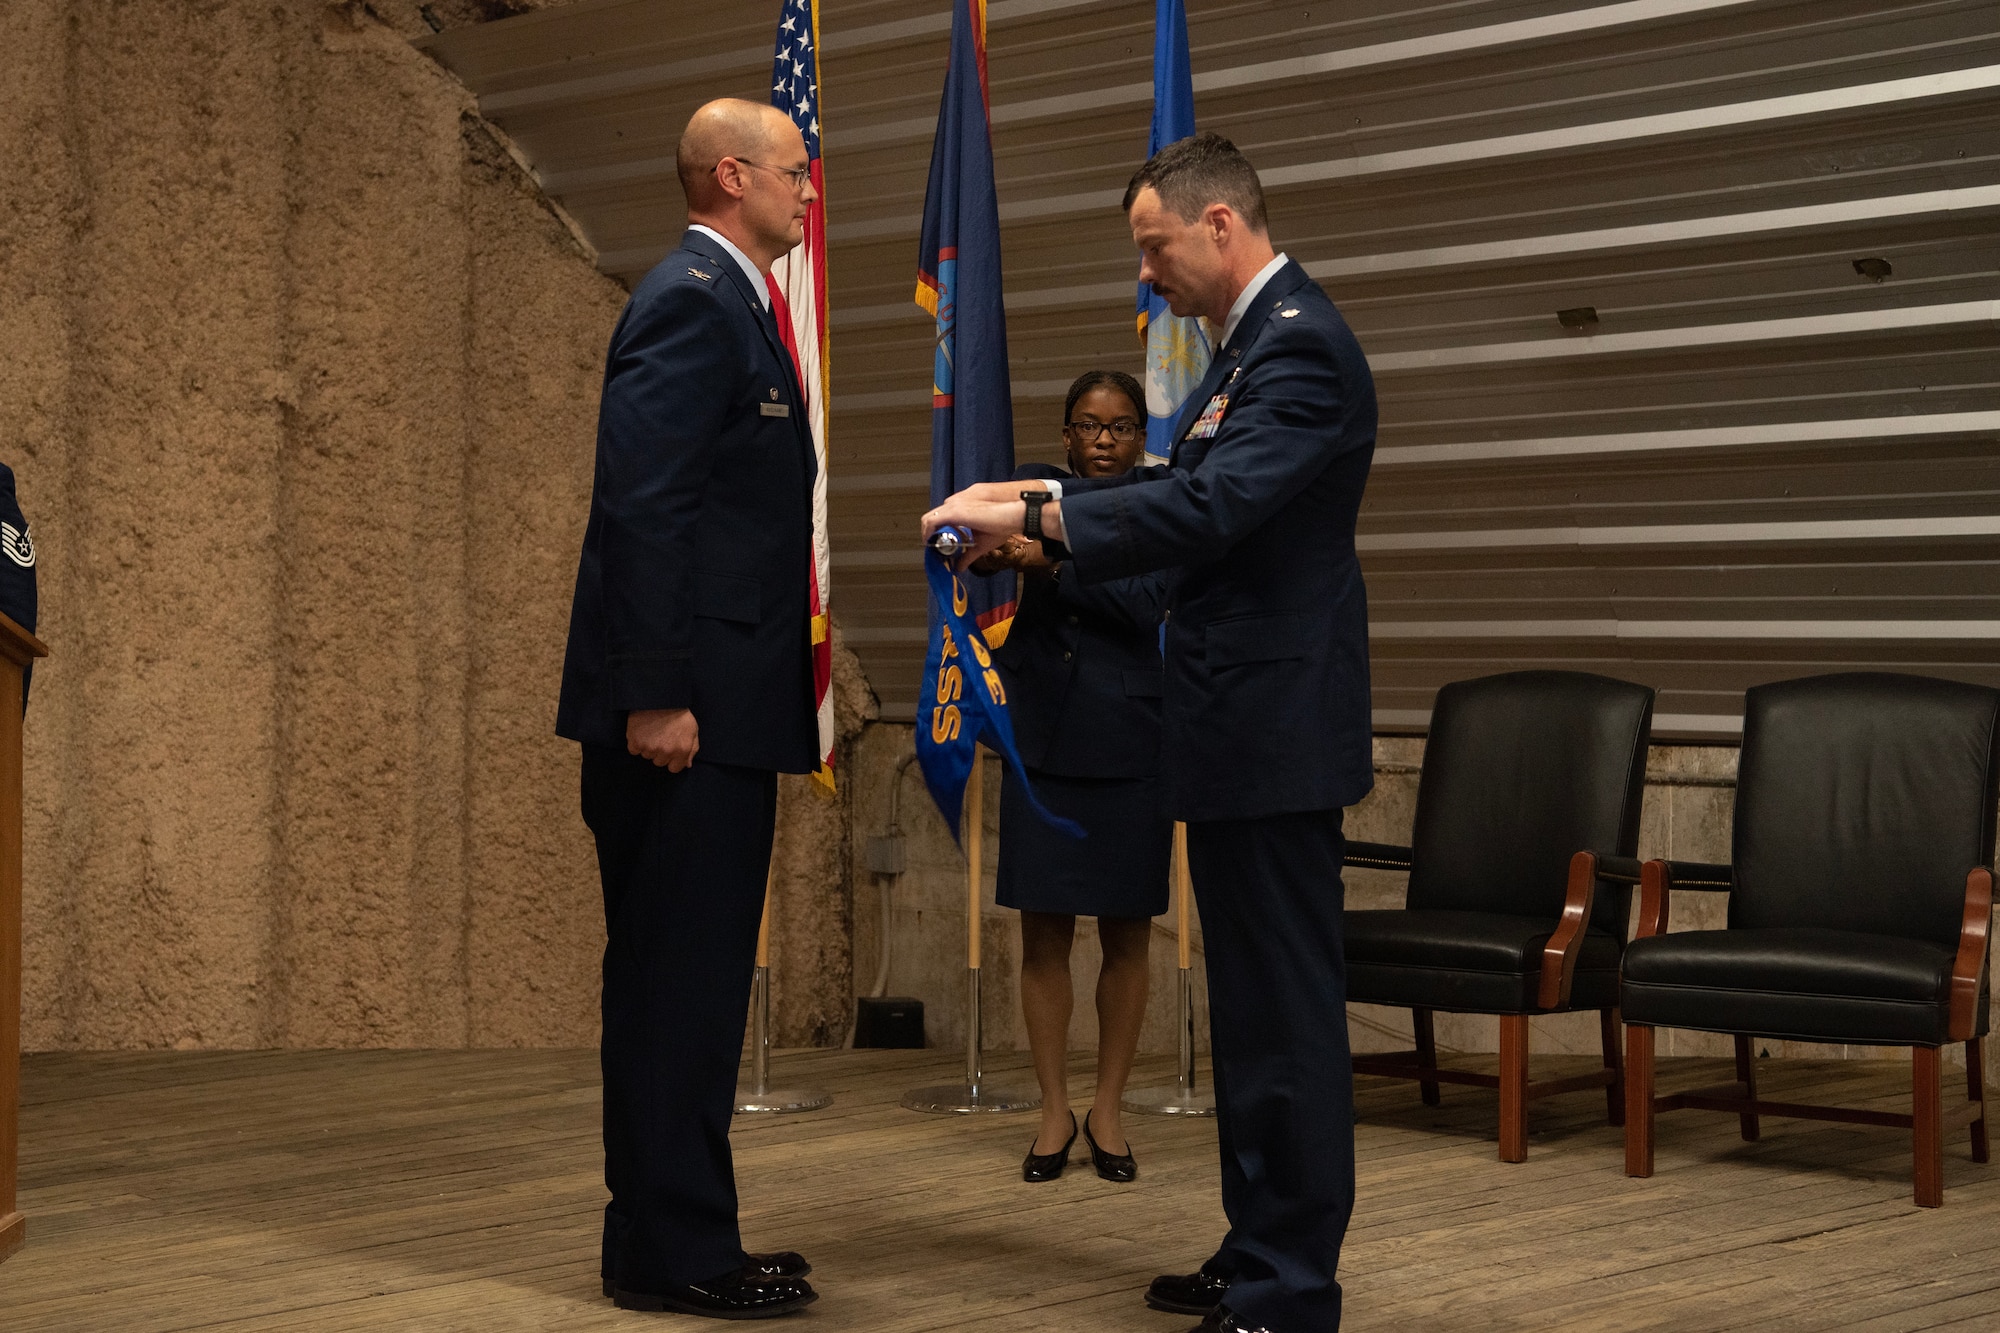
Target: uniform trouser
(683, 857)
(1270, 895)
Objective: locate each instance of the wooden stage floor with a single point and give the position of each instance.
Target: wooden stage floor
(460, 1191)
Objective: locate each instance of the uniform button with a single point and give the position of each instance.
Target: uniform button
(1067, 656)
(1072, 620)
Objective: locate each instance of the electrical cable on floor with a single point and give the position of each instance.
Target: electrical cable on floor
(887, 880)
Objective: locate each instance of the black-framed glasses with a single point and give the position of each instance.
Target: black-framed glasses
(801, 176)
(1090, 432)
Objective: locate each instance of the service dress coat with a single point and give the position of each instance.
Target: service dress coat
(1084, 681)
(692, 590)
(1267, 708)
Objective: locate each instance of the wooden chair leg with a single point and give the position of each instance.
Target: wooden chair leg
(1427, 1053)
(1638, 1100)
(1513, 1087)
(1614, 1060)
(1746, 1074)
(1975, 1091)
(1927, 1124)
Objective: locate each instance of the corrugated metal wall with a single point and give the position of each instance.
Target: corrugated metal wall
(1756, 462)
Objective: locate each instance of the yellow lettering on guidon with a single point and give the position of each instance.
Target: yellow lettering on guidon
(951, 684)
(993, 685)
(950, 647)
(979, 651)
(958, 597)
(944, 725)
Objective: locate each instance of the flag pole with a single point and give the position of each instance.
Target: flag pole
(972, 439)
(975, 831)
(797, 288)
(761, 1097)
(975, 1094)
(1181, 1099)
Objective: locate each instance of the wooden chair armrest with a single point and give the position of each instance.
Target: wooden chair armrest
(1652, 900)
(1970, 963)
(1560, 953)
(1657, 877)
(1378, 856)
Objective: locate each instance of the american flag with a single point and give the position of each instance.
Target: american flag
(798, 297)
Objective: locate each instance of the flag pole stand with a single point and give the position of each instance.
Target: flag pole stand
(975, 1094)
(1182, 1098)
(761, 1096)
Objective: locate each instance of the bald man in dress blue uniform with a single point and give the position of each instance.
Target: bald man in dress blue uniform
(688, 681)
(1267, 723)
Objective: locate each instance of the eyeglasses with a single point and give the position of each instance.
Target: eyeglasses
(801, 176)
(1090, 432)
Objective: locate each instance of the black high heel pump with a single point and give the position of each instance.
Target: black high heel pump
(1119, 1167)
(1041, 1166)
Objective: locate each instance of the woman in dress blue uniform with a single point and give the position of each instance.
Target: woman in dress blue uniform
(1084, 682)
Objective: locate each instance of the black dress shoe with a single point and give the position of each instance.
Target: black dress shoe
(763, 1267)
(734, 1295)
(1220, 1320)
(1119, 1167)
(1189, 1293)
(1040, 1166)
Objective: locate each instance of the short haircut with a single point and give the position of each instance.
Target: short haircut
(1105, 379)
(725, 127)
(690, 168)
(1202, 169)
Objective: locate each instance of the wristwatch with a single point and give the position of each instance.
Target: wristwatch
(1031, 526)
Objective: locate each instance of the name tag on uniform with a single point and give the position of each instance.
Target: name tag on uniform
(1210, 419)
(774, 409)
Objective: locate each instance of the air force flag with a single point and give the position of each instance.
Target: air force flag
(1177, 350)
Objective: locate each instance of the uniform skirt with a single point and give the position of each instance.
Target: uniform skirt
(1119, 870)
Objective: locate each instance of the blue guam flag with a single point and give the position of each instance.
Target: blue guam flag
(958, 282)
(961, 700)
(1177, 351)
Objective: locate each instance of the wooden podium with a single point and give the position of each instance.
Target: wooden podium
(17, 649)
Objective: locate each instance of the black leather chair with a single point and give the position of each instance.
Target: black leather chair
(1527, 776)
(1859, 898)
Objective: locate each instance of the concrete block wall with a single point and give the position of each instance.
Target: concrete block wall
(300, 390)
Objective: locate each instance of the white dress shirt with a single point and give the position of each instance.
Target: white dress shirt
(749, 269)
(1249, 294)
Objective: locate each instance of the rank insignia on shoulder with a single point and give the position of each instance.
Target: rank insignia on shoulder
(17, 545)
(697, 273)
(1288, 314)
